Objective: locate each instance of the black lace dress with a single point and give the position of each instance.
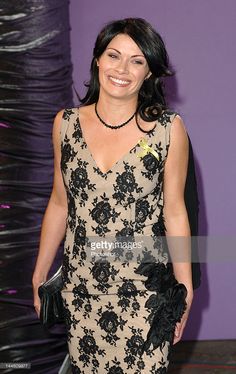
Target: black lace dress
(121, 298)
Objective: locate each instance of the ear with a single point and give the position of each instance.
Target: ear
(148, 75)
(97, 62)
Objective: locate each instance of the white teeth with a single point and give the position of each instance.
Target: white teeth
(119, 81)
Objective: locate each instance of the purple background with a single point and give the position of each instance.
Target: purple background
(200, 39)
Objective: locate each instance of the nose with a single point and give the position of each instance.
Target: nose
(122, 66)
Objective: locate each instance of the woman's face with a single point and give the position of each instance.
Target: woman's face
(122, 68)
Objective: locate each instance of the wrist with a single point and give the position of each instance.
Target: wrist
(39, 278)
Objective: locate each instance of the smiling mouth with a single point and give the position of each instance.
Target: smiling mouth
(119, 82)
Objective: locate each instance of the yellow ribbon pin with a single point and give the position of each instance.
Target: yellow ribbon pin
(146, 149)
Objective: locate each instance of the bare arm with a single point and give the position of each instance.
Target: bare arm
(175, 213)
(54, 220)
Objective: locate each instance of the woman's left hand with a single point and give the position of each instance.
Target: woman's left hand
(179, 328)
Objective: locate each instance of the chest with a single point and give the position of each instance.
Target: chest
(127, 177)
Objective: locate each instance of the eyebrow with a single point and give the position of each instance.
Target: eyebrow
(120, 53)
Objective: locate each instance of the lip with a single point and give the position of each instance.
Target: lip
(118, 81)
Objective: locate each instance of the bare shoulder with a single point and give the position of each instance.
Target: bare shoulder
(177, 160)
(178, 124)
(178, 132)
(65, 115)
(58, 117)
(57, 123)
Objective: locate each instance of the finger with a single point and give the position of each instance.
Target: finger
(177, 336)
(178, 332)
(177, 329)
(37, 300)
(37, 310)
(37, 306)
(176, 340)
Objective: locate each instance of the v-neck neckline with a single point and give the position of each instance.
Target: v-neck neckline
(122, 158)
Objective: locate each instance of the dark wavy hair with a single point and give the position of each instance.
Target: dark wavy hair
(151, 99)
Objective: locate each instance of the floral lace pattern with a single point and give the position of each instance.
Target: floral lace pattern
(120, 311)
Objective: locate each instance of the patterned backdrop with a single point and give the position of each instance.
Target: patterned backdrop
(35, 83)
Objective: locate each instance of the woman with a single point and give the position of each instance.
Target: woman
(120, 170)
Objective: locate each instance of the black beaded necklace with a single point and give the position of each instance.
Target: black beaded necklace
(110, 126)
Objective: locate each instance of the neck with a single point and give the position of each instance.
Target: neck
(114, 110)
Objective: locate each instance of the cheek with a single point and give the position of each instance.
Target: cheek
(139, 73)
(103, 70)
(101, 73)
(140, 78)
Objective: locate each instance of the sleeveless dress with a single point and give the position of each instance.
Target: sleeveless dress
(120, 295)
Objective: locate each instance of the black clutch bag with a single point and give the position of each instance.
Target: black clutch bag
(52, 309)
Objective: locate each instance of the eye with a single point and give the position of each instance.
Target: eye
(112, 55)
(138, 62)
